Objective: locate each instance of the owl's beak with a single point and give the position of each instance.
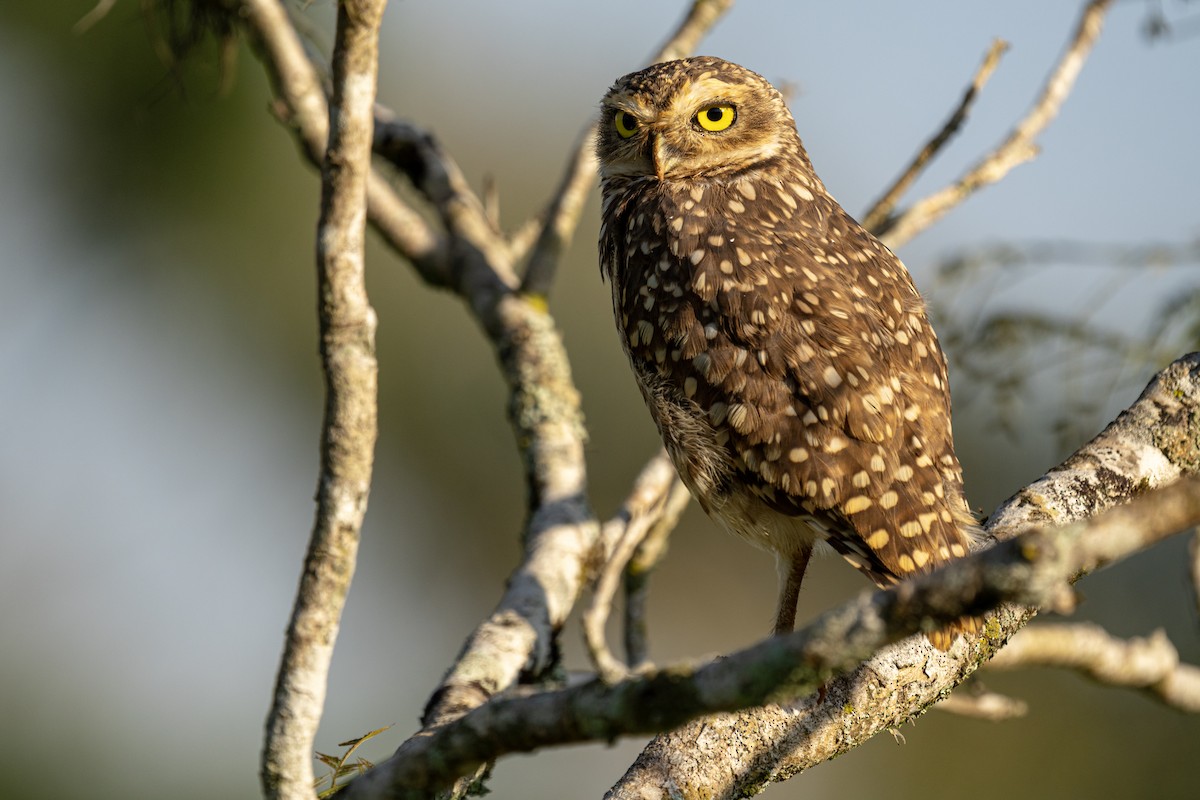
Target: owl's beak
(662, 158)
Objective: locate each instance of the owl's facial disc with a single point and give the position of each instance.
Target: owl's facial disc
(692, 120)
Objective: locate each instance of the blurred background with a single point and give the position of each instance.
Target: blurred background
(161, 392)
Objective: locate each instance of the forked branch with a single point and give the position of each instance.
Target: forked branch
(881, 209)
(1020, 145)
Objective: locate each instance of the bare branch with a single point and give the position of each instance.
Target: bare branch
(566, 204)
(637, 577)
(983, 705)
(1150, 664)
(561, 217)
(1029, 569)
(1018, 148)
(696, 24)
(522, 240)
(882, 208)
(544, 405)
(1150, 444)
(544, 411)
(298, 88)
(98, 12)
(657, 499)
(482, 261)
(347, 324)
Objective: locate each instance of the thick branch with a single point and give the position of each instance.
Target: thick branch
(1031, 569)
(347, 324)
(1150, 664)
(1018, 148)
(546, 418)
(1150, 445)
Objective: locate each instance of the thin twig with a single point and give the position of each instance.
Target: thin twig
(655, 502)
(651, 550)
(1150, 664)
(98, 12)
(983, 705)
(882, 208)
(420, 156)
(523, 238)
(696, 24)
(299, 90)
(561, 217)
(347, 324)
(1018, 148)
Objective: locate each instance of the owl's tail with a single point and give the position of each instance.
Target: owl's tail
(944, 637)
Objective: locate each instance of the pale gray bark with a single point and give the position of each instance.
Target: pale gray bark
(349, 429)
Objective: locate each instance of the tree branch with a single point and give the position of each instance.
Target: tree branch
(347, 324)
(1150, 444)
(650, 551)
(654, 505)
(302, 105)
(879, 211)
(1018, 148)
(1031, 569)
(983, 705)
(1150, 664)
(562, 214)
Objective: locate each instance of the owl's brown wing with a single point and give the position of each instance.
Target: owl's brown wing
(806, 344)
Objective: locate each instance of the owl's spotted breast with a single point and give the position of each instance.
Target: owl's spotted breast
(784, 352)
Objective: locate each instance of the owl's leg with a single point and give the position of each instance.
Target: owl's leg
(791, 574)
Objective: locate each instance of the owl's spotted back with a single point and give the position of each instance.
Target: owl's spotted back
(784, 353)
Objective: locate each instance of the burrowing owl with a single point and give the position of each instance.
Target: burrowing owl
(784, 352)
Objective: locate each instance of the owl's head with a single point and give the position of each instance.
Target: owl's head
(694, 118)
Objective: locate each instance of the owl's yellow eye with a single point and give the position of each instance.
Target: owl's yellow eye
(716, 118)
(626, 124)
